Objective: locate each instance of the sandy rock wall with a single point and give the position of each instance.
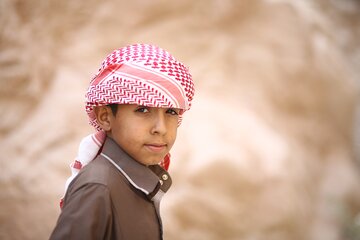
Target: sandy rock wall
(267, 151)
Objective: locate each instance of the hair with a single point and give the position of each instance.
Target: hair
(114, 108)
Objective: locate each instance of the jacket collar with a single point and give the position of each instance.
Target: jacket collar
(152, 180)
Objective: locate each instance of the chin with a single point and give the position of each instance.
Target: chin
(154, 161)
(148, 162)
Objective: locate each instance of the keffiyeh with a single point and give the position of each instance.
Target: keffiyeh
(139, 74)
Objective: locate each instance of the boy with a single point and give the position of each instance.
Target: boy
(136, 102)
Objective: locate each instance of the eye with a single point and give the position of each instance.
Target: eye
(173, 111)
(142, 109)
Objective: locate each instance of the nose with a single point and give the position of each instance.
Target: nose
(159, 124)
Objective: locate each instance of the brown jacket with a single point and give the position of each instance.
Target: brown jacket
(113, 197)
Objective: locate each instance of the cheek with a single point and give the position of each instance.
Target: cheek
(129, 135)
(122, 134)
(172, 135)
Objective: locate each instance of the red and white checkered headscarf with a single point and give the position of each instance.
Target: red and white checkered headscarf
(139, 74)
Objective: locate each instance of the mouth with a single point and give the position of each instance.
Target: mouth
(156, 147)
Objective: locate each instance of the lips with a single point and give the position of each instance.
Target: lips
(156, 147)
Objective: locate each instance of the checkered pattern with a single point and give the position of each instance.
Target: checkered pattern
(140, 74)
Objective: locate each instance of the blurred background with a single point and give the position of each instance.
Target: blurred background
(270, 149)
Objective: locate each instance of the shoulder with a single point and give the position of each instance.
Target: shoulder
(99, 172)
(95, 179)
(86, 213)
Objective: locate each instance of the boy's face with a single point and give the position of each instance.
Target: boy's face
(145, 133)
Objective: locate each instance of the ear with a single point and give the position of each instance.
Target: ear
(103, 116)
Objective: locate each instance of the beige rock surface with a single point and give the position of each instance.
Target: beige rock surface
(267, 152)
